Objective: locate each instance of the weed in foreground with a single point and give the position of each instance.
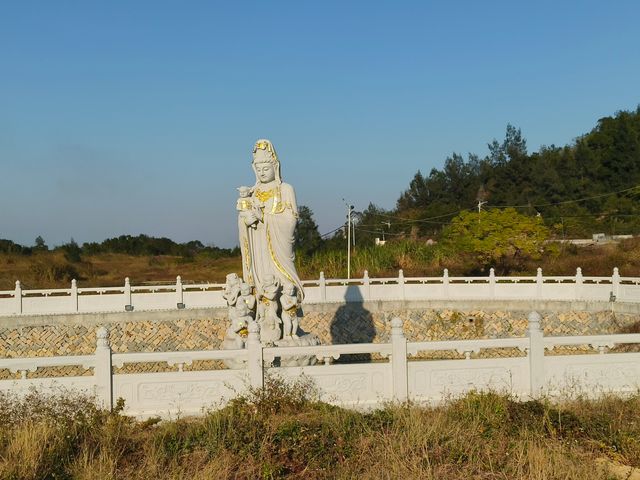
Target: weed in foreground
(284, 431)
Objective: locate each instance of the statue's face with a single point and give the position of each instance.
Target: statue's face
(266, 172)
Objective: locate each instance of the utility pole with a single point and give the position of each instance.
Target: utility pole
(349, 210)
(353, 234)
(388, 224)
(480, 204)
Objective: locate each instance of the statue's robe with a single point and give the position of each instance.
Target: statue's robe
(268, 248)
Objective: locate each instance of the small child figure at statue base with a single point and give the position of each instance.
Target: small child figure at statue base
(246, 301)
(289, 303)
(267, 311)
(230, 294)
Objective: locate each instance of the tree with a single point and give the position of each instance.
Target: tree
(9, 246)
(72, 251)
(306, 238)
(40, 244)
(498, 238)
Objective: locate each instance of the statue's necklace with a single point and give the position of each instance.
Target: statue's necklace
(263, 196)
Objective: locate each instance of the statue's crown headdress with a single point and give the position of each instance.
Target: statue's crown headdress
(263, 151)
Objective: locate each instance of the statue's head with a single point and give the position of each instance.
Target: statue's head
(265, 162)
(245, 289)
(233, 279)
(244, 191)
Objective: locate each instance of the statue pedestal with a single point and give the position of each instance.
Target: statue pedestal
(304, 340)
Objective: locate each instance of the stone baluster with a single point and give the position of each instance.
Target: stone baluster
(539, 283)
(323, 288)
(401, 283)
(18, 297)
(74, 295)
(578, 286)
(536, 354)
(254, 354)
(445, 283)
(179, 293)
(128, 306)
(399, 365)
(102, 370)
(492, 283)
(615, 285)
(366, 282)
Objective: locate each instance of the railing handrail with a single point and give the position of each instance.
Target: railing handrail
(186, 356)
(180, 295)
(33, 363)
(329, 350)
(467, 345)
(616, 338)
(314, 282)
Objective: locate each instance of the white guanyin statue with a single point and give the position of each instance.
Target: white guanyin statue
(267, 216)
(267, 220)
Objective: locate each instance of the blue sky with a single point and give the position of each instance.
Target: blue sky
(139, 117)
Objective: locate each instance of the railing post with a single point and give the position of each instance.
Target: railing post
(366, 282)
(539, 283)
(615, 285)
(323, 288)
(255, 360)
(401, 283)
(399, 373)
(492, 282)
(179, 293)
(74, 295)
(536, 355)
(445, 283)
(128, 307)
(578, 286)
(102, 370)
(18, 297)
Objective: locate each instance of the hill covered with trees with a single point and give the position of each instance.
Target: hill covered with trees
(588, 186)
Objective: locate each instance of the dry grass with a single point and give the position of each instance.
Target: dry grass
(52, 270)
(284, 432)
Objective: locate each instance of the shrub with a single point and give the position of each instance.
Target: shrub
(52, 271)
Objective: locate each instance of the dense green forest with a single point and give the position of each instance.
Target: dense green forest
(588, 186)
(126, 244)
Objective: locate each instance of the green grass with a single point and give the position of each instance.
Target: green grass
(416, 258)
(286, 432)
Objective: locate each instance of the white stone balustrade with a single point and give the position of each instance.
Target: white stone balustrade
(360, 385)
(209, 295)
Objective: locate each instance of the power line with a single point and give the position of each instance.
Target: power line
(400, 221)
(414, 220)
(379, 232)
(565, 202)
(332, 231)
(529, 205)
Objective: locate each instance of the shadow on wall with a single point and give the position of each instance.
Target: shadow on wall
(352, 323)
